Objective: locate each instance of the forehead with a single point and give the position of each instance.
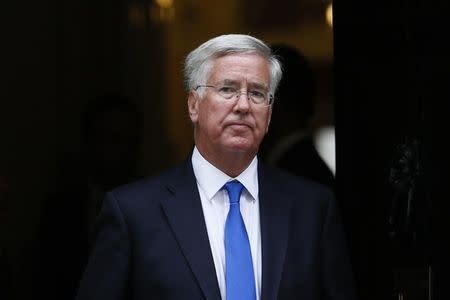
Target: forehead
(240, 67)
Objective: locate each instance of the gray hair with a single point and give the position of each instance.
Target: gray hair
(198, 63)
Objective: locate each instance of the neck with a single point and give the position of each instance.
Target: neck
(231, 163)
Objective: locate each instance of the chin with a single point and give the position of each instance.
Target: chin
(246, 147)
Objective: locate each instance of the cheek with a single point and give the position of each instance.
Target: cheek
(263, 121)
(208, 121)
(211, 116)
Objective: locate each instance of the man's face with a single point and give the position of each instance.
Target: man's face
(231, 126)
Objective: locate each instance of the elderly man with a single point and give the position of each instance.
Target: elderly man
(222, 225)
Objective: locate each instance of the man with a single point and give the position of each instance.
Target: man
(221, 225)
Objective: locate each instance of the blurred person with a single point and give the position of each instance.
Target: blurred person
(110, 128)
(221, 225)
(111, 131)
(290, 144)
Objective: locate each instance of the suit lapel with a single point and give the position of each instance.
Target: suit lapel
(275, 213)
(184, 212)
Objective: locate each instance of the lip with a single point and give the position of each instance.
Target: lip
(238, 124)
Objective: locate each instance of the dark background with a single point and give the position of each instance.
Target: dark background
(383, 74)
(391, 81)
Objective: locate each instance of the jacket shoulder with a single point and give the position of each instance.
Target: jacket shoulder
(152, 187)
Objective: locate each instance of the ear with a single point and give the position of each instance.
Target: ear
(193, 102)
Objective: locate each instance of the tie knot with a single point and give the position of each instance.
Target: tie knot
(234, 189)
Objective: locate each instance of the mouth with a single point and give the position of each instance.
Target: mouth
(238, 125)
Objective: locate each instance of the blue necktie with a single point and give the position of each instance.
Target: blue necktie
(240, 281)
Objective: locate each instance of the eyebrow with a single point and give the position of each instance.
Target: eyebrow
(230, 82)
(256, 85)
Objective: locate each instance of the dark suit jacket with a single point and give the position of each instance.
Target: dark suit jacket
(152, 242)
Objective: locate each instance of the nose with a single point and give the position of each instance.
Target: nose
(245, 93)
(242, 103)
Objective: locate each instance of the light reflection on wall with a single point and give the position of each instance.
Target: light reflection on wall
(163, 11)
(329, 14)
(324, 140)
(158, 12)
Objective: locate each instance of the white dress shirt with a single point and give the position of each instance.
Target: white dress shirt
(215, 204)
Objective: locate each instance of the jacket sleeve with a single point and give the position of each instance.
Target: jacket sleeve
(107, 271)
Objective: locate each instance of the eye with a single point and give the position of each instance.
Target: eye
(227, 91)
(257, 95)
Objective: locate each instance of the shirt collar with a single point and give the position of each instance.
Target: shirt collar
(211, 179)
